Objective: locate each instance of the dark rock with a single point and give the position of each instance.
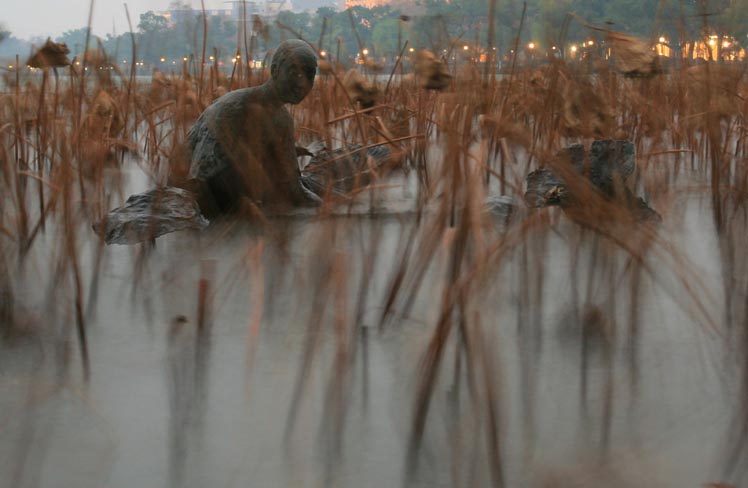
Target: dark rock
(607, 166)
(540, 185)
(344, 169)
(150, 214)
(608, 160)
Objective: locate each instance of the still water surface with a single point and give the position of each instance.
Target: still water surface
(167, 405)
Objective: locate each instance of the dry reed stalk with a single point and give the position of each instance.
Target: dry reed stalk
(20, 157)
(322, 31)
(354, 28)
(321, 276)
(489, 73)
(394, 68)
(535, 103)
(205, 295)
(345, 342)
(257, 298)
(247, 51)
(130, 85)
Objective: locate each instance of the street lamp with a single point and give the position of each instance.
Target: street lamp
(531, 45)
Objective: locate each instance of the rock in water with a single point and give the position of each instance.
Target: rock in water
(541, 183)
(150, 214)
(609, 159)
(607, 165)
(344, 169)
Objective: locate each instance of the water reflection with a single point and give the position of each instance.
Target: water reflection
(188, 349)
(282, 357)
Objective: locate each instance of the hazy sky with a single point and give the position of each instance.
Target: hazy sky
(43, 18)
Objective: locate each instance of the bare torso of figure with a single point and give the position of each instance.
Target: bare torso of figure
(243, 144)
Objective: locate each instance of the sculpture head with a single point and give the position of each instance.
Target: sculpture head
(293, 69)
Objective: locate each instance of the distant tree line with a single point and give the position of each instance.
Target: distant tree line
(432, 24)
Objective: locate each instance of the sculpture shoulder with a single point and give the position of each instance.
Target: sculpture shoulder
(281, 121)
(234, 109)
(228, 106)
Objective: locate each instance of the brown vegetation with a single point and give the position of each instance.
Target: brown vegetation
(480, 138)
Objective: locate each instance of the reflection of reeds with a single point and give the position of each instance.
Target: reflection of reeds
(480, 138)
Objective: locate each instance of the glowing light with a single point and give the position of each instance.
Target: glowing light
(553, 48)
(725, 44)
(10, 66)
(365, 52)
(163, 60)
(184, 58)
(238, 56)
(573, 49)
(233, 60)
(465, 47)
(662, 39)
(531, 45)
(323, 53)
(124, 61)
(412, 50)
(77, 63)
(590, 43)
(712, 42)
(212, 58)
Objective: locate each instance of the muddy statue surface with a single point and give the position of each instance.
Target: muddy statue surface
(242, 148)
(243, 144)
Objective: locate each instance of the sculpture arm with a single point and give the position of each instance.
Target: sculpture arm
(288, 165)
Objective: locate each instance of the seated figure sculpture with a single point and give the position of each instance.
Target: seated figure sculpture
(243, 144)
(242, 148)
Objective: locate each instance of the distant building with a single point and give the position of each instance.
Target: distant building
(237, 10)
(312, 5)
(179, 15)
(263, 8)
(365, 3)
